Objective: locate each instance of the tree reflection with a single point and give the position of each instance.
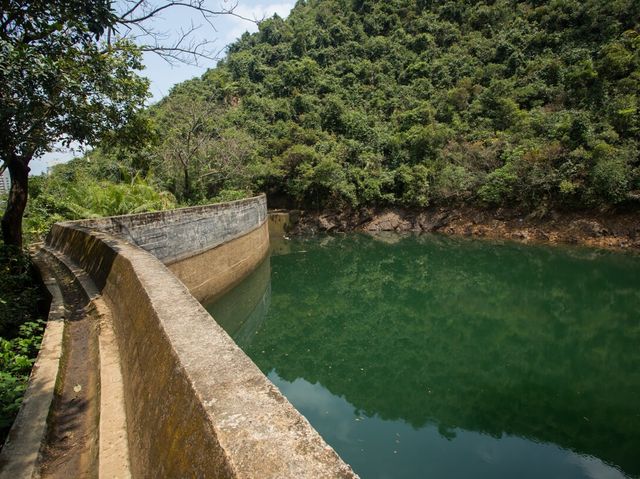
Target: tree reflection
(501, 339)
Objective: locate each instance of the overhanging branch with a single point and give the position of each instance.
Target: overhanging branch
(137, 25)
(196, 5)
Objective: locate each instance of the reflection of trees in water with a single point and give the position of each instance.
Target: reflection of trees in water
(255, 319)
(242, 310)
(535, 342)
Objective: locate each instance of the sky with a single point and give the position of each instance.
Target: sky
(163, 76)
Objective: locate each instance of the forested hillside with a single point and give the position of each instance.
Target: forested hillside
(530, 104)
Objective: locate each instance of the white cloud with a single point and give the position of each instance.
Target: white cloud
(596, 469)
(257, 12)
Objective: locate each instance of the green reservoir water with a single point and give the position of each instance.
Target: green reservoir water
(432, 357)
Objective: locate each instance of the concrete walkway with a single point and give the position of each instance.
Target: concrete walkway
(75, 396)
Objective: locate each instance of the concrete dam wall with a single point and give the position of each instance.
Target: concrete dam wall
(195, 404)
(209, 248)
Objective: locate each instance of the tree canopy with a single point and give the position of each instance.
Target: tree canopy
(357, 103)
(532, 104)
(59, 84)
(69, 70)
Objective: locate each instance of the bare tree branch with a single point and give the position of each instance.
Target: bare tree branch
(197, 5)
(132, 9)
(136, 21)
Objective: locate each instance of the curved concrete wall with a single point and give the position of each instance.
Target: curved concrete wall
(196, 405)
(212, 272)
(182, 233)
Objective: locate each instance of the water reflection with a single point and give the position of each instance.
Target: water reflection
(452, 358)
(401, 450)
(242, 310)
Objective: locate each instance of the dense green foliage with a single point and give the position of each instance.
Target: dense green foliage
(414, 102)
(20, 330)
(19, 294)
(87, 189)
(60, 83)
(63, 84)
(17, 356)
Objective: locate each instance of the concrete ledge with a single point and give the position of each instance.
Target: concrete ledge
(196, 405)
(21, 452)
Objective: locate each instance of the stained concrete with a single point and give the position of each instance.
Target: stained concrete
(182, 233)
(243, 310)
(64, 430)
(112, 442)
(213, 272)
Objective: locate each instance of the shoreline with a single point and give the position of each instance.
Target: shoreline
(615, 231)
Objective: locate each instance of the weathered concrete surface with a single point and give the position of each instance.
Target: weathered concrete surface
(280, 222)
(177, 234)
(211, 273)
(196, 405)
(56, 434)
(112, 443)
(242, 310)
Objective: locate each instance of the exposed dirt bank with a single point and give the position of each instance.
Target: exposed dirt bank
(619, 230)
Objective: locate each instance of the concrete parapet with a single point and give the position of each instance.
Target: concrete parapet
(196, 405)
(178, 234)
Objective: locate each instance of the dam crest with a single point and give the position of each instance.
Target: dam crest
(174, 395)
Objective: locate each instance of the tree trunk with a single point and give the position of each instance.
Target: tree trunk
(17, 201)
(187, 184)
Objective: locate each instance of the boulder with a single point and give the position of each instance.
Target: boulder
(388, 221)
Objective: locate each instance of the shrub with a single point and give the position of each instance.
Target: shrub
(228, 195)
(58, 200)
(19, 293)
(453, 182)
(611, 179)
(20, 331)
(413, 185)
(17, 356)
(498, 186)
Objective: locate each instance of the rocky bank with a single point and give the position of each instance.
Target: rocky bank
(619, 230)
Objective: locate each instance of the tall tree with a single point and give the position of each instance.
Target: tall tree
(59, 83)
(199, 155)
(187, 142)
(68, 70)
